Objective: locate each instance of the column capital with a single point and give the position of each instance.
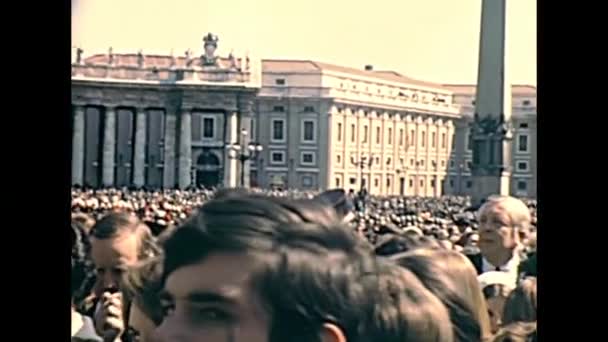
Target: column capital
(245, 104)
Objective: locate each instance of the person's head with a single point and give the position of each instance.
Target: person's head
(79, 263)
(84, 220)
(453, 279)
(392, 244)
(141, 288)
(520, 306)
(517, 332)
(118, 241)
(402, 308)
(501, 220)
(282, 271)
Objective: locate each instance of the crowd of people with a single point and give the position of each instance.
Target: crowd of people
(263, 265)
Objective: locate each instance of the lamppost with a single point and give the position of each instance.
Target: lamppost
(361, 164)
(243, 153)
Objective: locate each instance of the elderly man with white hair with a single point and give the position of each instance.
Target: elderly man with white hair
(501, 221)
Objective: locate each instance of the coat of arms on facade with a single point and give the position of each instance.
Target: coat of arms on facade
(210, 46)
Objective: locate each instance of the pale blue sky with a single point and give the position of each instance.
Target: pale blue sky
(432, 40)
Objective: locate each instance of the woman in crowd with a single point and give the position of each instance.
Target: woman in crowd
(452, 278)
(141, 288)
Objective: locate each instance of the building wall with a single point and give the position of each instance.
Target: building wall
(392, 158)
(524, 124)
(344, 107)
(296, 158)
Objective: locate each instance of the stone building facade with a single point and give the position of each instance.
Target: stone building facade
(329, 126)
(160, 121)
(165, 122)
(524, 147)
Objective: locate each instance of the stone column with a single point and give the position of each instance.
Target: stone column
(492, 104)
(169, 149)
(78, 146)
(185, 149)
(325, 146)
(109, 147)
(139, 152)
(246, 115)
(230, 169)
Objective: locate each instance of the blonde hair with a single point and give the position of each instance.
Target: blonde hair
(431, 265)
(517, 210)
(142, 286)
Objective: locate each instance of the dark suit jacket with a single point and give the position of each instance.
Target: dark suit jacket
(524, 263)
(477, 261)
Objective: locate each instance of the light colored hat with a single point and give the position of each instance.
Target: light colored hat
(497, 278)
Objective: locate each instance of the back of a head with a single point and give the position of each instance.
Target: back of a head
(84, 220)
(114, 224)
(402, 309)
(521, 303)
(517, 332)
(79, 264)
(392, 244)
(447, 276)
(258, 222)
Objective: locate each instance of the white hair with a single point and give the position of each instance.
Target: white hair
(517, 210)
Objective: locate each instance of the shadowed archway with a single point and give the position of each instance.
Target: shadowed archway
(207, 169)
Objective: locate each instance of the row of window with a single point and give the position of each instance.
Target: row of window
(203, 127)
(281, 109)
(521, 165)
(403, 96)
(306, 180)
(524, 102)
(279, 130)
(353, 181)
(411, 138)
(307, 158)
(521, 185)
(414, 96)
(522, 142)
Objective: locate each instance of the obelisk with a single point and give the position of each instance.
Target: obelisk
(491, 128)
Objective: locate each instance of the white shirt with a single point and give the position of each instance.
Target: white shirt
(511, 267)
